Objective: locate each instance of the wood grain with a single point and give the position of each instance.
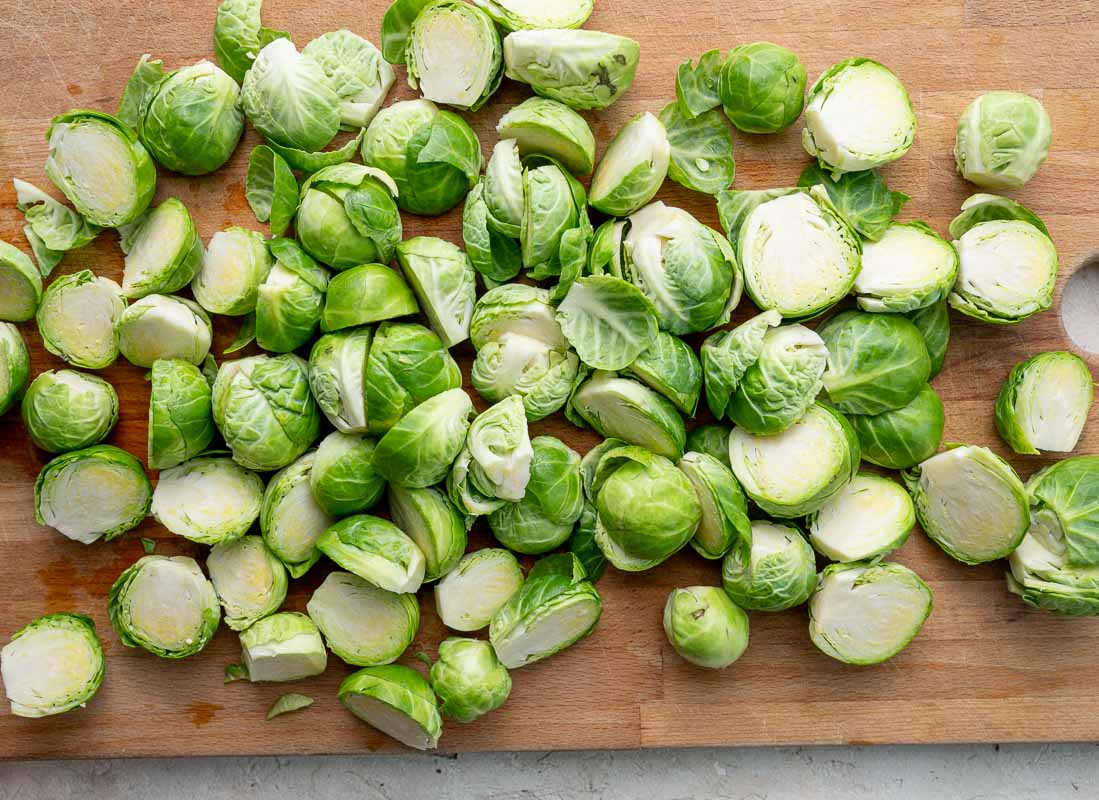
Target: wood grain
(983, 669)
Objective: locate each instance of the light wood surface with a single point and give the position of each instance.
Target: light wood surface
(983, 669)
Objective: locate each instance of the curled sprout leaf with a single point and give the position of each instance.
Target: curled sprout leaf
(291, 701)
(271, 189)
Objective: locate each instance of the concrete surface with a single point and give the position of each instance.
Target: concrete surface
(985, 772)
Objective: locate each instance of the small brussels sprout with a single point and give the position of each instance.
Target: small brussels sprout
(444, 282)
(181, 424)
(343, 479)
(582, 544)
(290, 519)
(908, 268)
(671, 367)
(762, 87)
(903, 437)
(863, 199)
(377, 551)
(865, 520)
(468, 679)
(163, 250)
(20, 285)
(362, 624)
(250, 582)
(794, 473)
(348, 216)
(704, 626)
(14, 366)
(970, 502)
(469, 595)
(515, 308)
(780, 572)
(1061, 493)
(77, 319)
(356, 71)
(433, 523)
(228, 279)
(160, 327)
(282, 647)
(52, 665)
(1003, 138)
(711, 440)
(858, 116)
(99, 491)
(518, 15)
(208, 500)
(633, 167)
(239, 35)
(417, 452)
(290, 299)
(934, 323)
(454, 54)
(408, 364)
(629, 410)
(1041, 575)
(68, 410)
(724, 524)
(337, 377)
(555, 608)
(364, 294)
(1044, 403)
(608, 321)
(397, 701)
(548, 127)
(519, 365)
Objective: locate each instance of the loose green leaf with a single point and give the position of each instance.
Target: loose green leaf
(271, 189)
(239, 36)
(702, 149)
(235, 672)
(57, 227)
(209, 369)
(289, 702)
(148, 545)
(314, 162)
(245, 335)
(146, 75)
(862, 198)
(698, 89)
(47, 259)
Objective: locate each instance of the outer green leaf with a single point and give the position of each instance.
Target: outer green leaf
(862, 198)
(697, 89)
(271, 189)
(289, 702)
(702, 149)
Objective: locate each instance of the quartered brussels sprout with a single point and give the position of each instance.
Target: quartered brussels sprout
(99, 491)
(337, 377)
(633, 167)
(14, 365)
(1062, 495)
(1044, 403)
(934, 323)
(469, 595)
(867, 613)
(67, 410)
(165, 606)
(181, 423)
(1041, 573)
(970, 502)
(711, 440)
(52, 665)
(626, 409)
(348, 216)
(762, 87)
(780, 572)
(548, 127)
(517, 15)
(250, 582)
(444, 282)
(208, 500)
(1003, 138)
(903, 437)
(282, 647)
(555, 222)
(794, 473)
(671, 367)
(364, 294)
(377, 551)
(289, 302)
(705, 627)
(362, 624)
(20, 285)
(908, 268)
(101, 167)
(417, 452)
(858, 116)
(468, 679)
(228, 279)
(434, 523)
(407, 365)
(77, 319)
(454, 54)
(608, 321)
(582, 69)
(397, 701)
(290, 519)
(162, 326)
(356, 71)
(724, 524)
(493, 467)
(555, 608)
(343, 479)
(868, 518)
(515, 364)
(163, 250)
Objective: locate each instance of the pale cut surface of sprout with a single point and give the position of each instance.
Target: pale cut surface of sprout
(77, 319)
(1055, 406)
(167, 602)
(867, 518)
(363, 625)
(524, 643)
(91, 496)
(906, 261)
(164, 232)
(1008, 264)
(449, 52)
(53, 665)
(207, 500)
(283, 647)
(528, 14)
(100, 166)
(234, 266)
(249, 580)
(470, 594)
(162, 326)
(390, 721)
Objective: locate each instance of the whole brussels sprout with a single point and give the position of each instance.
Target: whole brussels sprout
(237, 261)
(32, 682)
(417, 452)
(396, 700)
(627, 409)
(454, 54)
(67, 410)
(14, 365)
(494, 465)
(282, 647)
(348, 216)
(469, 595)
(343, 479)
(444, 282)
(364, 294)
(1044, 403)
(181, 422)
(724, 523)
(779, 573)
(407, 365)
(21, 282)
(762, 87)
(362, 624)
(163, 327)
(633, 167)
(163, 250)
(208, 500)
(865, 520)
(582, 69)
(704, 627)
(356, 71)
(903, 437)
(468, 679)
(1003, 138)
(289, 302)
(377, 551)
(435, 524)
(337, 377)
(77, 319)
(908, 268)
(249, 579)
(519, 15)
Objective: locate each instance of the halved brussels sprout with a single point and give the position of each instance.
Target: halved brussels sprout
(362, 624)
(671, 367)
(433, 523)
(52, 665)
(858, 116)
(343, 479)
(516, 15)
(163, 250)
(407, 365)
(239, 35)
(228, 279)
(515, 308)
(14, 365)
(608, 321)
(99, 491)
(444, 282)
(77, 319)
(20, 285)
(1003, 138)
(290, 518)
(397, 701)
(417, 452)
(515, 364)
(356, 71)
(633, 167)
(468, 679)
(724, 524)
(337, 377)
(779, 573)
(366, 293)
(1041, 575)
(903, 437)
(468, 597)
(934, 324)
(503, 189)
(165, 606)
(1062, 493)
(626, 409)
(181, 424)
(290, 299)
(1044, 403)
(704, 626)
(582, 69)
(282, 647)
(67, 410)
(544, 126)
(249, 579)
(908, 268)
(160, 327)
(52, 228)
(454, 54)
(762, 87)
(377, 551)
(970, 502)
(208, 500)
(494, 465)
(711, 440)
(867, 519)
(348, 216)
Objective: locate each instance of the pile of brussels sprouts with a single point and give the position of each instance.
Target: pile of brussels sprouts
(279, 459)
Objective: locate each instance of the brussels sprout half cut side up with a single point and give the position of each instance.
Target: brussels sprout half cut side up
(377, 551)
(1044, 403)
(480, 584)
(541, 125)
(67, 410)
(908, 268)
(903, 437)
(237, 261)
(396, 700)
(20, 285)
(515, 364)
(161, 326)
(290, 519)
(52, 665)
(77, 319)
(633, 167)
(516, 309)
(163, 251)
(867, 519)
(582, 69)
(249, 580)
(1003, 138)
(282, 647)
(208, 500)
(417, 452)
(779, 573)
(454, 54)
(704, 626)
(362, 624)
(517, 15)
(468, 679)
(343, 479)
(762, 87)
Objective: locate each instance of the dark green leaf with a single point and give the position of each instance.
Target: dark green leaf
(271, 189)
(862, 198)
(245, 335)
(289, 702)
(698, 89)
(702, 149)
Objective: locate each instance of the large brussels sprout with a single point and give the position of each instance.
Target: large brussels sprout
(633, 167)
(377, 551)
(494, 466)
(407, 365)
(163, 250)
(454, 54)
(867, 613)
(417, 452)
(934, 323)
(762, 87)
(181, 423)
(608, 321)
(905, 436)
(1041, 575)
(1063, 494)
(348, 216)
(290, 519)
(517, 15)
(77, 319)
(865, 520)
(356, 71)
(711, 440)
(671, 367)
(480, 584)
(970, 502)
(779, 573)
(626, 409)
(908, 268)
(397, 701)
(548, 127)
(364, 294)
(289, 301)
(249, 579)
(582, 69)
(704, 626)
(99, 491)
(468, 679)
(793, 473)
(724, 524)
(14, 365)
(101, 167)
(1044, 403)
(444, 282)
(282, 647)
(1003, 138)
(337, 377)
(20, 284)
(237, 261)
(362, 624)
(515, 364)
(52, 665)
(208, 500)
(343, 479)
(858, 116)
(67, 410)
(161, 326)
(433, 523)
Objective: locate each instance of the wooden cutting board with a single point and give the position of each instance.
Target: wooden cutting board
(984, 668)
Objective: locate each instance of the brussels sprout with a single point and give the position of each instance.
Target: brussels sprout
(503, 189)
(264, 410)
(902, 438)
(704, 627)
(934, 323)
(290, 299)
(444, 282)
(165, 606)
(728, 355)
(290, 519)
(516, 15)
(554, 207)
(397, 701)
(762, 87)
(454, 54)
(858, 116)
(701, 149)
(496, 256)
(468, 679)
(876, 362)
(711, 440)
(724, 524)
(582, 69)
(626, 409)
(20, 285)
(433, 523)
(555, 608)
(362, 624)
(909, 268)
(867, 519)
(970, 502)
(238, 36)
(780, 572)
(271, 188)
(14, 365)
(348, 216)
(1044, 403)
(867, 613)
(1041, 575)
(52, 665)
(337, 377)
(433, 156)
(250, 582)
(68, 410)
(52, 228)
(101, 167)
(1062, 494)
(163, 250)
(377, 551)
(236, 263)
(494, 466)
(99, 491)
(795, 472)
(1003, 138)
(633, 167)
(515, 364)
(343, 479)
(356, 71)
(417, 452)
(407, 365)
(583, 545)
(208, 500)
(469, 595)
(541, 125)
(608, 321)
(77, 319)
(283, 647)
(366, 293)
(671, 367)
(180, 421)
(518, 309)
(161, 326)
